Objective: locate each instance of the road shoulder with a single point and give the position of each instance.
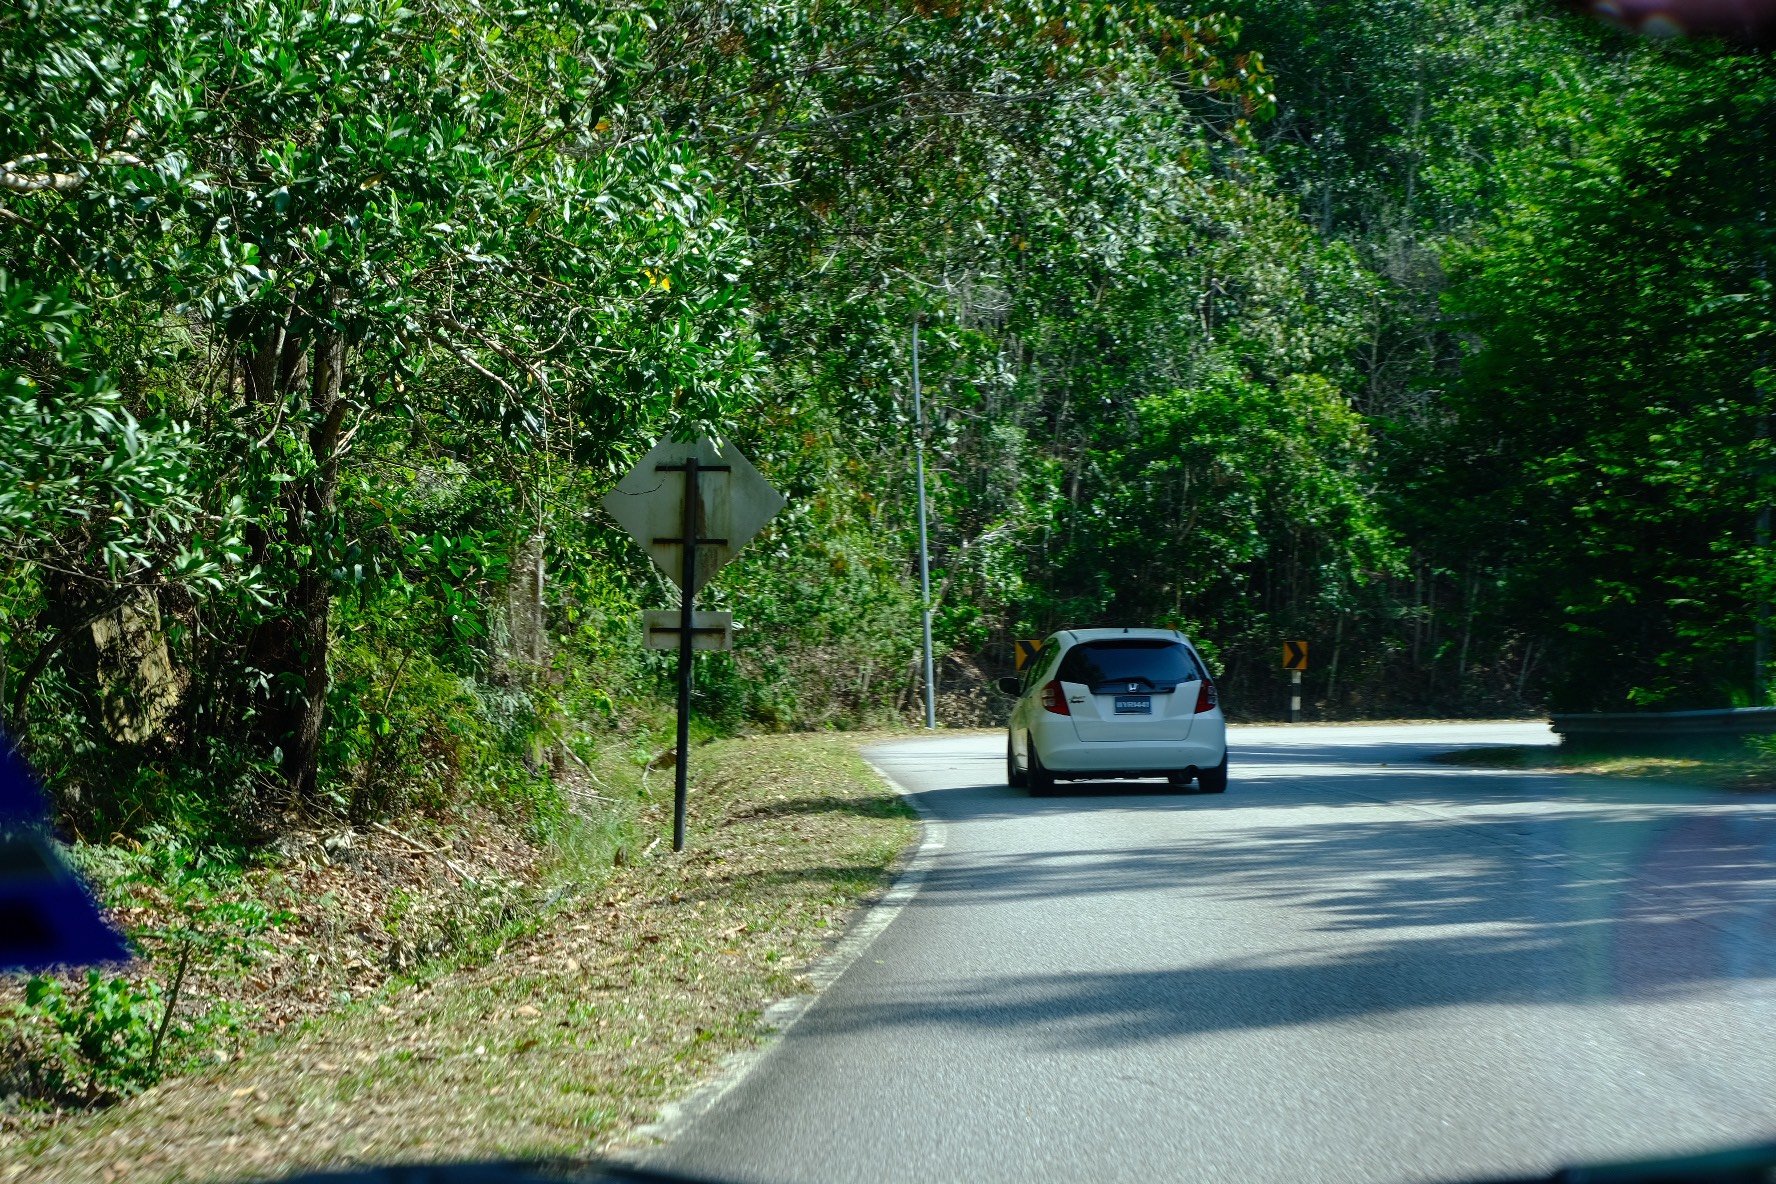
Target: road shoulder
(869, 922)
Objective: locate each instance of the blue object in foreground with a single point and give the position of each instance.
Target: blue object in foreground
(47, 917)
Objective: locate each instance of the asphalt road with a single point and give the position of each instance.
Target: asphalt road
(1355, 965)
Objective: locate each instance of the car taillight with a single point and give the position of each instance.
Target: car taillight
(1206, 699)
(1055, 699)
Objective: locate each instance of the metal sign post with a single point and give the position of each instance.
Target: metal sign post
(690, 532)
(689, 539)
(1294, 661)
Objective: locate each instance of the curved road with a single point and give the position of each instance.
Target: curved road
(1354, 966)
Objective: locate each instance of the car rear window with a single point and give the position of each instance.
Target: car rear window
(1153, 662)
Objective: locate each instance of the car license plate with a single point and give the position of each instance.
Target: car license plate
(1134, 705)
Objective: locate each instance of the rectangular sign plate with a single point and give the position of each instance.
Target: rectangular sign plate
(1134, 705)
(709, 631)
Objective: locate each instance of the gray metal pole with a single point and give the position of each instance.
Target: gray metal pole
(924, 553)
(693, 494)
(1760, 631)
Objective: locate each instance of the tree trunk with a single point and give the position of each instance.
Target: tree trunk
(1431, 630)
(70, 614)
(290, 646)
(1471, 590)
(1417, 616)
(312, 604)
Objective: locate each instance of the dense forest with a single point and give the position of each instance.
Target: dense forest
(1433, 331)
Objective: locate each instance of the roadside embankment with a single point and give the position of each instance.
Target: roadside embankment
(605, 984)
(1747, 767)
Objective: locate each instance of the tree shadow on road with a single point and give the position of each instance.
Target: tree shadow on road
(1521, 900)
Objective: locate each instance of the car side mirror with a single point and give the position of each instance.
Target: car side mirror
(1011, 685)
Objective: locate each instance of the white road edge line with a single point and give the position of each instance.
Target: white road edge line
(644, 1142)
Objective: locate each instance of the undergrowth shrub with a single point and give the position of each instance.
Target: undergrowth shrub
(89, 1042)
(95, 1040)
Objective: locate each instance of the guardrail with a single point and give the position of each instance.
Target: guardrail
(1663, 729)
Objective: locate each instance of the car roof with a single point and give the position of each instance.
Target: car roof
(1075, 636)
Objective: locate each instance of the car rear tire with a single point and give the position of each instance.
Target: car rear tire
(1042, 782)
(1213, 780)
(1014, 776)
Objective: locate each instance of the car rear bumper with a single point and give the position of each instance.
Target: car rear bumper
(1152, 758)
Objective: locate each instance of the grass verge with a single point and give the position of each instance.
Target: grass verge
(568, 1032)
(1739, 770)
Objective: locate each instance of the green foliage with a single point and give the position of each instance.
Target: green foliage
(365, 250)
(96, 1040)
(1355, 321)
(197, 890)
(115, 1034)
(1617, 413)
(75, 463)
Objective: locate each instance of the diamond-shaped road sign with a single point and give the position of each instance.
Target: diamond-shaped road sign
(692, 506)
(735, 502)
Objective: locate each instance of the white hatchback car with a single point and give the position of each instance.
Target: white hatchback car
(1108, 703)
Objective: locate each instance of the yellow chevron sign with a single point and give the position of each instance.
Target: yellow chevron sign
(1024, 652)
(1294, 655)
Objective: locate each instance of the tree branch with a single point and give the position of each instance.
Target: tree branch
(13, 178)
(462, 355)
